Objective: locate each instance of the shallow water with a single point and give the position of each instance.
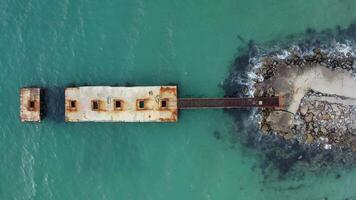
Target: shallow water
(53, 44)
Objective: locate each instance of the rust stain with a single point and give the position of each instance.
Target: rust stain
(69, 108)
(173, 118)
(168, 90)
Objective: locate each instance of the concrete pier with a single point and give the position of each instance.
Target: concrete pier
(30, 104)
(121, 104)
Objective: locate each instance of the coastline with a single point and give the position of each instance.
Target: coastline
(315, 73)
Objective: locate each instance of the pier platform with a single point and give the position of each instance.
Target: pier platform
(30, 104)
(121, 104)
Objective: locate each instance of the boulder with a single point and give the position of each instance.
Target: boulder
(323, 130)
(264, 128)
(309, 138)
(308, 117)
(288, 136)
(303, 109)
(325, 117)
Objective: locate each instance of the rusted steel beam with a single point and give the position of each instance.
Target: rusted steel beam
(200, 103)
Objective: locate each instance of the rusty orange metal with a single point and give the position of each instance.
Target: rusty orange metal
(281, 102)
(173, 118)
(201, 103)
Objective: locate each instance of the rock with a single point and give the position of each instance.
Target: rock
(324, 139)
(317, 51)
(303, 109)
(323, 130)
(316, 130)
(336, 109)
(314, 112)
(353, 145)
(264, 128)
(308, 117)
(270, 91)
(245, 90)
(325, 117)
(309, 138)
(317, 104)
(288, 136)
(315, 125)
(280, 121)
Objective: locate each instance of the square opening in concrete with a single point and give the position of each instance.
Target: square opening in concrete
(31, 105)
(95, 105)
(141, 104)
(164, 103)
(117, 104)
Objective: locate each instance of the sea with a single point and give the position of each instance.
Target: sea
(188, 43)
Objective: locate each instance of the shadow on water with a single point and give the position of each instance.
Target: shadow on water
(53, 104)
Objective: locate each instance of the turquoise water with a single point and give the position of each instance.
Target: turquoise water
(53, 44)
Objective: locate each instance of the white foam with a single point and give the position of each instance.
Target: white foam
(344, 49)
(283, 55)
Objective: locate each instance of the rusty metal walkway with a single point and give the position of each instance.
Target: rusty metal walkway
(260, 102)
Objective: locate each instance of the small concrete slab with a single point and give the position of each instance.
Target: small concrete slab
(30, 104)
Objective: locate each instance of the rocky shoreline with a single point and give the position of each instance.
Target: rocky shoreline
(328, 124)
(323, 123)
(322, 130)
(320, 118)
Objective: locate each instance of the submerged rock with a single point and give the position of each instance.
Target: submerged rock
(281, 121)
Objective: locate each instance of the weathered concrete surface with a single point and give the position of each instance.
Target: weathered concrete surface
(129, 97)
(30, 105)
